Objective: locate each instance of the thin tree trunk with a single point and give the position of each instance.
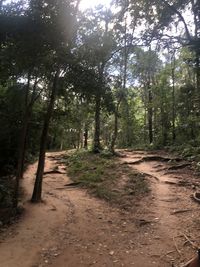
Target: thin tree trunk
(150, 115)
(115, 133)
(21, 156)
(97, 146)
(173, 101)
(197, 66)
(22, 144)
(85, 145)
(37, 191)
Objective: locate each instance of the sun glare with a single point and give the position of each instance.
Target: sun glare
(85, 4)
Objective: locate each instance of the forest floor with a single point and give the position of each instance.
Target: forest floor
(71, 228)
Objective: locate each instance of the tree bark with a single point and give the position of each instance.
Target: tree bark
(21, 156)
(115, 133)
(173, 101)
(37, 191)
(85, 143)
(22, 144)
(150, 115)
(97, 145)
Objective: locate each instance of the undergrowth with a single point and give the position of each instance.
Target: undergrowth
(103, 174)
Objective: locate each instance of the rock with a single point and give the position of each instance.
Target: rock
(111, 253)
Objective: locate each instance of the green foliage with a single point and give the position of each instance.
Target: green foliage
(6, 192)
(11, 99)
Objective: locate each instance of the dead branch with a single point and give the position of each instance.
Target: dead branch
(180, 211)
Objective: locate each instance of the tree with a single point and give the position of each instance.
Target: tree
(54, 15)
(145, 67)
(97, 50)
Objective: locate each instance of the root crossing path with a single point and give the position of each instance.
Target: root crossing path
(73, 229)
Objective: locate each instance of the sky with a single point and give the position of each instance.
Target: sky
(92, 3)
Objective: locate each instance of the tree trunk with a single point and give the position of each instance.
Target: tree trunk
(37, 191)
(22, 144)
(115, 133)
(85, 145)
(197, 66)
(150, 115)
(21, 156)
(97, 146)
(173, 101)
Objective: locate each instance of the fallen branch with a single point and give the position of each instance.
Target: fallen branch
(180, 211)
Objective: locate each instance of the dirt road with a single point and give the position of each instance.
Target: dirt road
(73, 229)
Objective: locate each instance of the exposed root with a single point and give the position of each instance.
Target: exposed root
(176, 247)
(180, 166)
(151, 176)
(194, 246)
(54, 172)
(152, 158)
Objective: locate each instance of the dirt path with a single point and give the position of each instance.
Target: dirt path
(73, 229)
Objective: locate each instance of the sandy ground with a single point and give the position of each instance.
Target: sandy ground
(73, 229)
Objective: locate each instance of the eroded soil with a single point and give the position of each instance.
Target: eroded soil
(73, 229)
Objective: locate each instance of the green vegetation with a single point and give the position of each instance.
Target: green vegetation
(106, 177)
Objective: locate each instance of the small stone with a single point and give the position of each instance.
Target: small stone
(111, 253)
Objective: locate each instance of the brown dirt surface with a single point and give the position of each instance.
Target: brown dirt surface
(73, 229)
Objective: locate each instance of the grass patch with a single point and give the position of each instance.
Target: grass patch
(106, 177)
(137, 184)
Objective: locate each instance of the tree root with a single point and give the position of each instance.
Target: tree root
(152, 158)
(180, 166)
(176, 247)
(54, 172)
